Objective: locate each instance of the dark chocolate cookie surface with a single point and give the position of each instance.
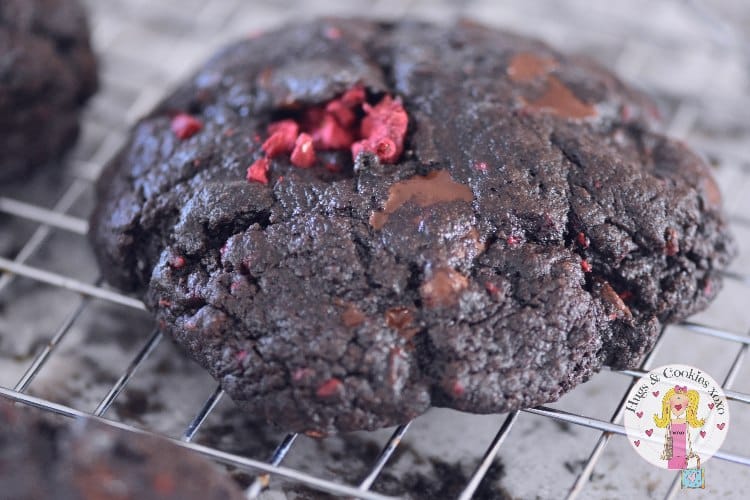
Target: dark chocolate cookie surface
(347, 222)
(42, 456)
(47, 72)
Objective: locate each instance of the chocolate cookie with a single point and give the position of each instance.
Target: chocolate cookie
(347, 222)
(47, 71)
(46, 457)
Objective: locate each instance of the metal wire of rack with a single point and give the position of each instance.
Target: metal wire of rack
(57, 218)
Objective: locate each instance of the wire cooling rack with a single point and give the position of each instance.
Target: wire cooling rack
(179, 35)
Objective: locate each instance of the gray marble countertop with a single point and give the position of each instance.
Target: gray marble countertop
(693, 56)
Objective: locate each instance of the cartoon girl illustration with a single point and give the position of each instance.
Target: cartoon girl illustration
(679, 412)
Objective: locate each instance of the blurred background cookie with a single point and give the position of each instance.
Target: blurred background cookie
(47, 72)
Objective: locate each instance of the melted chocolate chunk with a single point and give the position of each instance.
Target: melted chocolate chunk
(561, 101)
(557, 98)
(352, 316)
(526, 67)
(443, 288)
(424, 191)
(401, 319)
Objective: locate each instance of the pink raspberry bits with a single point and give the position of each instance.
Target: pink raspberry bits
(383, 129)
(185, 126)
(281, 141)
(303, 155)
(329, 388)
(258, 171)
(347, 122)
